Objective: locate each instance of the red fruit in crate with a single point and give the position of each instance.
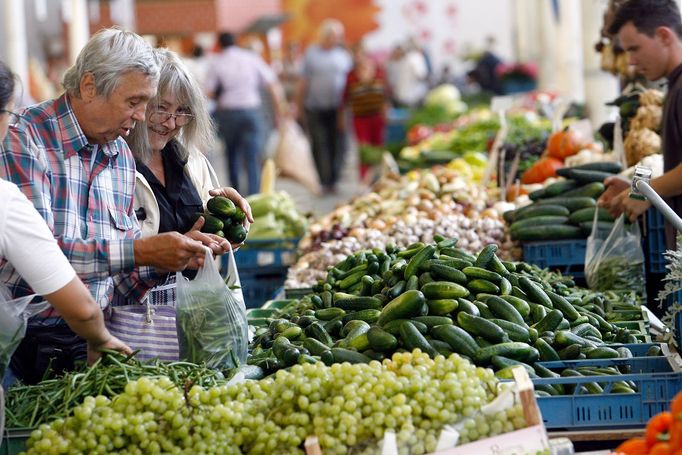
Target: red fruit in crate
(418, 133)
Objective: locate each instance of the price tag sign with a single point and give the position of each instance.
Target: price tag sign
(501, 103)
(265, 258)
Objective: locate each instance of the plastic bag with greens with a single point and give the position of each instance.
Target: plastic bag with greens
(14, 314)
(211, 317)
(614, 259)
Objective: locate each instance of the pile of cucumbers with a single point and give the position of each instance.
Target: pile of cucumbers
(565, 209)
(442, 300)
(224, 219)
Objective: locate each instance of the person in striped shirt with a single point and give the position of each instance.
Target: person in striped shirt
(69, 159)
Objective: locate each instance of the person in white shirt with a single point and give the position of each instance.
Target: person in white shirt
(234, 78)
(30, 247)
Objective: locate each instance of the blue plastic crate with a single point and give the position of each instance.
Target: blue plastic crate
(258, 288)
(396, 129)
(657, 382)
(567, 256)
(654, 241)
(256, 254)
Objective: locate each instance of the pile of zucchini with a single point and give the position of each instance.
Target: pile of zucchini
(565, 209)
(442, 300)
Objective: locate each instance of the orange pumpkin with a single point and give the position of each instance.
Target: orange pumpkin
(542, 169)
(564, 143)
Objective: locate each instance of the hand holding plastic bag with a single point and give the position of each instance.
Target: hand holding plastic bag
(614, 259)
(211, 317)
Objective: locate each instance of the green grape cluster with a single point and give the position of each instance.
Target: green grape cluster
(348, 407)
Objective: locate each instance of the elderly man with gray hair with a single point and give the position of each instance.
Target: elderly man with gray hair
(68, 157)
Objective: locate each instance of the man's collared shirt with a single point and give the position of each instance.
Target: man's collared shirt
(85, 194)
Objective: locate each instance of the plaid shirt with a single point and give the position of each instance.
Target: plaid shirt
(85, 194)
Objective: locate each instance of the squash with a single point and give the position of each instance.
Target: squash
(543, 169)
(563, 144)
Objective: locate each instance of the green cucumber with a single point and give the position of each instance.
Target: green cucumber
(314, 346)
(505, 310)
(602, 352)
(478, 285)
(515, 332)
(521, 305)
(566, 338)
(351, 302)
(611, 167)
(413, 339)
(404, 306)
(442, 306)
(602, 226)
(432, 321)
(483, 309)
(478, 272)
(478, 326)
(318, 332)
(534, 210)
(340, 355)
(500, 362)
(448, 273)
(562, 305)
(535, 293)
(511, 349)
(587, 214)
(393, 327)
(547, 232)
(460, 340)
(593, 190)
(547, 352)
(583, 175)
(485, 255)
(413, 266)
(550, 322)
(369, 316)
(538, 221)
(380, 340)
(571, 203)
(468, 307)
(327, 314)
(444, 290)
(560, 187)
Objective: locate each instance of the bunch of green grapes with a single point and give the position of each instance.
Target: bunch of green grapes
(349, 407)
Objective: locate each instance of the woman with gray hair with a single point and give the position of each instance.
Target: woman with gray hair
(174, 179)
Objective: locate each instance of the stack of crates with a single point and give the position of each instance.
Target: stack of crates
(396, 128)
(263, 266)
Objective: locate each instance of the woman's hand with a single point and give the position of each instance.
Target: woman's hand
(113, 343)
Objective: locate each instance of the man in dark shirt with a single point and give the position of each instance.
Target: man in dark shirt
(650, 31)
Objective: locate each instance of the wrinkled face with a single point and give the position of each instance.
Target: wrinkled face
(5, 118)
(648, 54)
(165, 120)
(109, 118)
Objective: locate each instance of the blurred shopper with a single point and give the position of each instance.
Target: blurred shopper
(366, 96)
(410, 77)
(28, 245)
(292, 63)
(650, 31)
(318, 97)
(236, 74)
(485, 71)
(67, 157)
(174, 179)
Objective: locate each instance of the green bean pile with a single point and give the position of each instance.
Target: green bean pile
(33, 405)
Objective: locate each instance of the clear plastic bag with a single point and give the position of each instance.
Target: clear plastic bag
(211, 316)
(14, 315)
(614, 259)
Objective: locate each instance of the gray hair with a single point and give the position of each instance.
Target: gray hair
(176, 79)
(330, 27)
(108, 55)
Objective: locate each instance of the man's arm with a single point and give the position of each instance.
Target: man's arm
(670, 183)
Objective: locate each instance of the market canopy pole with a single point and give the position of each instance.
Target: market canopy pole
(79, 27)
(16, 47)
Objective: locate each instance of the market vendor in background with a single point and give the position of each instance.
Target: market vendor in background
(174, 179)
(29, 247)
(650, 31)
(67, 156)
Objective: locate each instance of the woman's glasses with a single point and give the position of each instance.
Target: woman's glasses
(163, 116)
